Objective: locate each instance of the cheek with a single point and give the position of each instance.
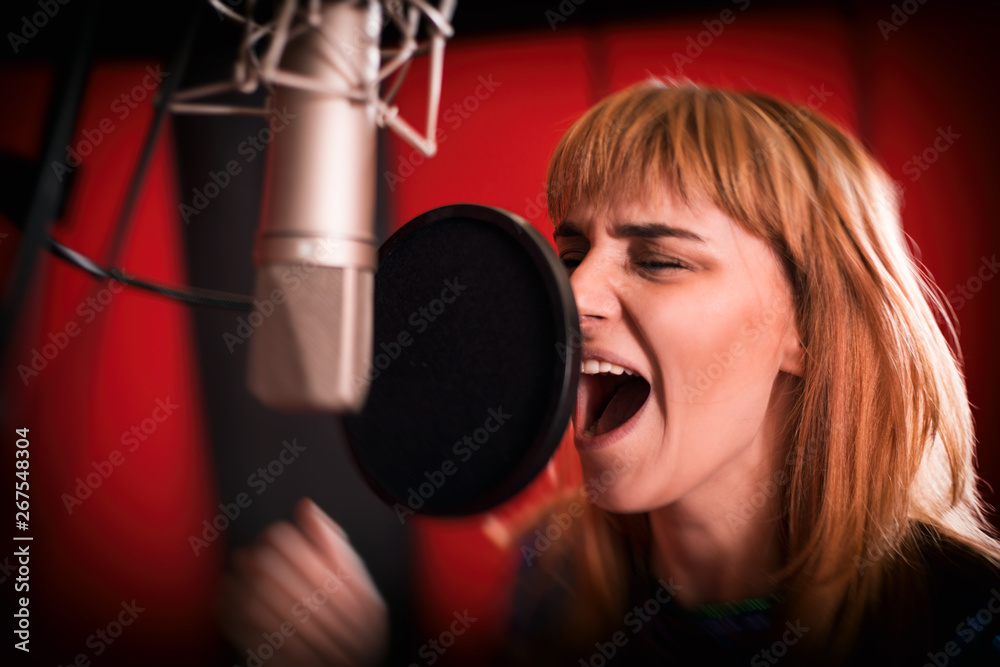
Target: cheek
(715, 348)
(717, 360)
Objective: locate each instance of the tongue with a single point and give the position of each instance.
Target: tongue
(625, 403)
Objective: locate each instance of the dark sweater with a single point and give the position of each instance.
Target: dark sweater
(956, 623)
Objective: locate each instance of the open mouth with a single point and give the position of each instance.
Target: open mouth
(608, 396)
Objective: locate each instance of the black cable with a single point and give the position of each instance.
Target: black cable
(194, 295)
(160, 103)
(73, 257)
(48, 191)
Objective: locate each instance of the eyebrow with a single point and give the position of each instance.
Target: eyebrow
(566, 229)
(644, 230)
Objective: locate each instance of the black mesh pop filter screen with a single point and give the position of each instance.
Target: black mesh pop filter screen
(475, 362)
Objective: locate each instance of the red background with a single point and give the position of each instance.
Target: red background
(895, 93)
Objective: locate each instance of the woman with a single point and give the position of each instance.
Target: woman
(787, 429)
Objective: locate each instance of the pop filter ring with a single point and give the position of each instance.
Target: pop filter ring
(561, 381)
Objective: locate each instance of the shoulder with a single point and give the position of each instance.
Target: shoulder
(963, 591)
(572, 587)
(941, 606)
(957, 575)
(544, 594)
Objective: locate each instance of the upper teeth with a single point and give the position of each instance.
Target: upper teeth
(593, 367)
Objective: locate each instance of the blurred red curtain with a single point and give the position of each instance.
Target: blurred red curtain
(911, 93)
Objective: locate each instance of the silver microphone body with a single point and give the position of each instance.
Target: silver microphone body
(316, 248)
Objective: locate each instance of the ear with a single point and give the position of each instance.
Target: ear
(793, 352)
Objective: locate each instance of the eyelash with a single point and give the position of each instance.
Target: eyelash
(661, 265)
(649, 265)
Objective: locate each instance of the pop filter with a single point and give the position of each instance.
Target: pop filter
(475, 365)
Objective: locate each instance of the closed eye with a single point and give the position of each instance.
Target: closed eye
(659, 265)
(571, 261)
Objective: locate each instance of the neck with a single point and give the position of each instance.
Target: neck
(712, 559)
(720, 542)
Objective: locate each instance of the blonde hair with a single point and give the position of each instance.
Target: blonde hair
(881, 440)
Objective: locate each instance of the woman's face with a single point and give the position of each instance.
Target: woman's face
(700, 312)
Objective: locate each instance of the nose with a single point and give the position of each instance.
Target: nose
(594, 289)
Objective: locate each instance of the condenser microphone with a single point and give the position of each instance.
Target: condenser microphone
(316, 246)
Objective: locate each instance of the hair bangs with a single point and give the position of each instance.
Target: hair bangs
(629, 147)
(700, 145)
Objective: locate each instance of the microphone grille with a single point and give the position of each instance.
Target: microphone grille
(312, 339)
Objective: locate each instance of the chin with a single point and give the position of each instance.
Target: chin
(607, 484)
